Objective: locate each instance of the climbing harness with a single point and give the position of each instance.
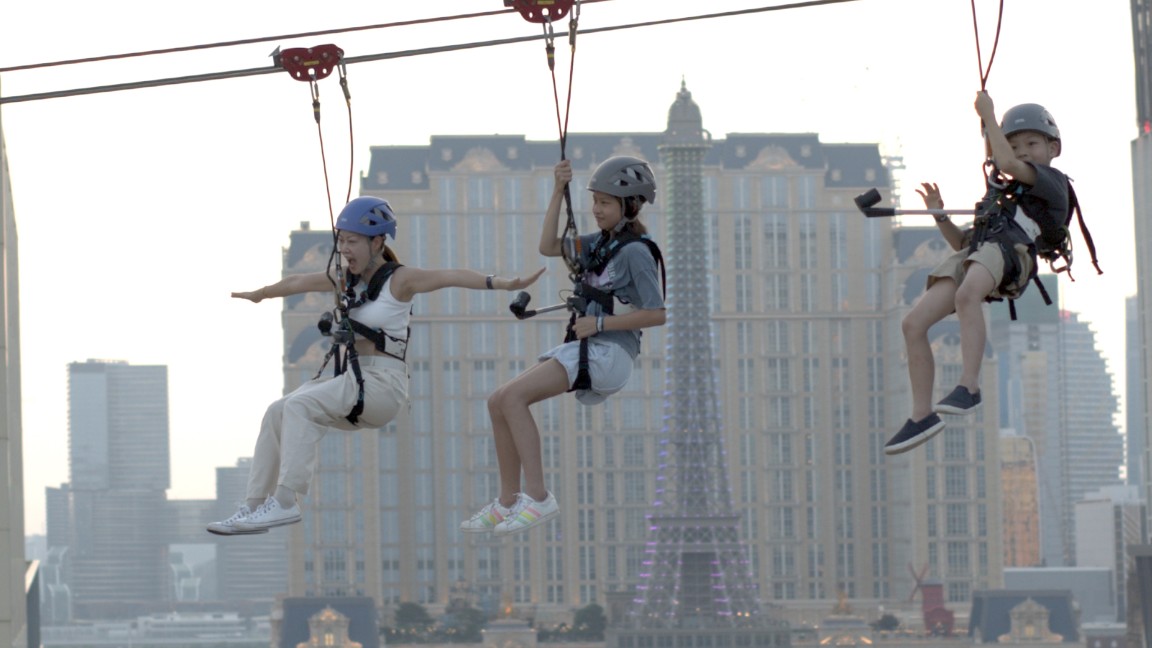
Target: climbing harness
(602, 252)
(348, 328)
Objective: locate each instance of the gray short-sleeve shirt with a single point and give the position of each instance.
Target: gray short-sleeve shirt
(634, 277)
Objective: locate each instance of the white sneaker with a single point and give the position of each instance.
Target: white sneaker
(488, 517)
(528, 513)
(268, 515)
(228, 527)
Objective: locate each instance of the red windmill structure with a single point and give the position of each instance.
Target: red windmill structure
(938, 620)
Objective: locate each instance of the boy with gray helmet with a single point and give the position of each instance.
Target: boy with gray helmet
(994, 259)
(605, 339)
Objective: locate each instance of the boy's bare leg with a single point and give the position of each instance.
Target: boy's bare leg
(934, 305)
(978, 283)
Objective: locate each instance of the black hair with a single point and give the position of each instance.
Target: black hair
(630, 210)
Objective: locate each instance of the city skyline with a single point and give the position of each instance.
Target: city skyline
(224, 201)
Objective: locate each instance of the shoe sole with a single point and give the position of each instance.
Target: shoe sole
(537, 522)
(232, 532)
(914, 442)
(942, 408)
(488, 530)
(270, 525)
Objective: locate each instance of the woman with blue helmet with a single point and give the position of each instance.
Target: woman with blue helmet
(377, 316)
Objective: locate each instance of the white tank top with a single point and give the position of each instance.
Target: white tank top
(385, 312)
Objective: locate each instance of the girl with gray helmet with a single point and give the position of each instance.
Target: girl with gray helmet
(608, 330)
(994, 259)
(377, 296)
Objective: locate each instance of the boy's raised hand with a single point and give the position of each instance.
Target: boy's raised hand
(931, 195)
(985, 108)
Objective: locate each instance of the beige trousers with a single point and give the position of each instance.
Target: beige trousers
(290, 434)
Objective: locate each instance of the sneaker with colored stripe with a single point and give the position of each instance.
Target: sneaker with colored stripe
(527, 513)
(488, 517)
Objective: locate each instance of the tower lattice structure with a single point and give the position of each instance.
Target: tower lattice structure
(695, 572)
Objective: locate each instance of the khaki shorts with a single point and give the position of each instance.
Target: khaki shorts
(988, 254)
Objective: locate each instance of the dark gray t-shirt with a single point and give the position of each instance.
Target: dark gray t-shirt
(1044, 203)
(635, 277)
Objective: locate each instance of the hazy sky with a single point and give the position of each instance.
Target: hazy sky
(139, 211)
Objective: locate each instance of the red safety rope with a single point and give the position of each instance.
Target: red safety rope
(545, 12)
(985, 71)
(991, 173)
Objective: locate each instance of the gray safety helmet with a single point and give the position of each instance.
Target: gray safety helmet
(1030, 117)
(624, 176)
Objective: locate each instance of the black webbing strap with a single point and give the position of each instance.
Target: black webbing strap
(357, 409)
(583, 374)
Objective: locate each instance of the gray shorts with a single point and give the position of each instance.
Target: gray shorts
(609, 366)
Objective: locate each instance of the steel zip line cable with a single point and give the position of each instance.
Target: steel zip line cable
(249, 41)
(213, 76)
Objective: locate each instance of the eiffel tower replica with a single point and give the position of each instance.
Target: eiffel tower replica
(695, 580)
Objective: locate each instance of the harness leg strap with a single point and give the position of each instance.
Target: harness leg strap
(583, 377)
(358, 409)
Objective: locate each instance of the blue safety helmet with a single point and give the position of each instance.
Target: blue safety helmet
(367, 215)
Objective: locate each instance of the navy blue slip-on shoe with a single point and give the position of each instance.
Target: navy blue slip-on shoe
(913, 434)
(960, 401)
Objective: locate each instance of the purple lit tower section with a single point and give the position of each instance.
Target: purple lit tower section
(695, 577)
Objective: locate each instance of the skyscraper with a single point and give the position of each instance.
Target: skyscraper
(1135, 437)
(119, 468)
(1055, 388)
(1142, 219)
(1021, 501)
(13, 618)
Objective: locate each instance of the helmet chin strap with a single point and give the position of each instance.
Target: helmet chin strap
(372, 264)
(624, 217)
